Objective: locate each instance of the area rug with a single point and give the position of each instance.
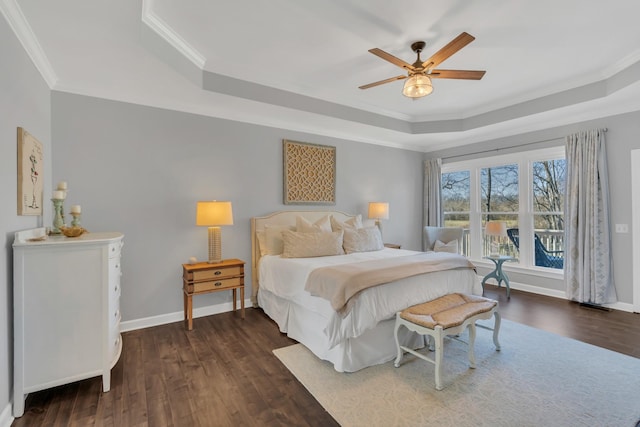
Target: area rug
(537, 379)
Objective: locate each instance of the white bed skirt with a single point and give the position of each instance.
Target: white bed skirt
(374, 347)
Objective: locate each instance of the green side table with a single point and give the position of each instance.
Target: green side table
(497, 273)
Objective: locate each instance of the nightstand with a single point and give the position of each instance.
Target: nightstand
(392, 245)
(203, 278)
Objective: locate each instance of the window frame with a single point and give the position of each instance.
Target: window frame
(525, 213)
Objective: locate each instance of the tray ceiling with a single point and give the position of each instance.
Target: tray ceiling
(298, 64)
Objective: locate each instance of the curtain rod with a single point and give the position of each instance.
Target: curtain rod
(507, 148)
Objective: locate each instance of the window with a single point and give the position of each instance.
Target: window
(523, 190)
(456, 203)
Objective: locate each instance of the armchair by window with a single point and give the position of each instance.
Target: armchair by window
(444, 234)
(544, 257)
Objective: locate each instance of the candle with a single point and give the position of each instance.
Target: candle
(76, 209)
(62, 185)
(59, 194)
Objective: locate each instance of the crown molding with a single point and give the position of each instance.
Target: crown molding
(21, 28)
(167, 33)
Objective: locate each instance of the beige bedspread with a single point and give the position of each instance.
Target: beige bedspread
(338, 284)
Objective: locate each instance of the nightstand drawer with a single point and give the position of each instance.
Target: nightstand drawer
(213, 274)
(213, 285)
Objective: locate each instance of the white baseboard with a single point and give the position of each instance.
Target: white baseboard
(622, 306)
(5, 417)
(163, 319)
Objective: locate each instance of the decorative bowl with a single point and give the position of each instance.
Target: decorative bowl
(72, 231)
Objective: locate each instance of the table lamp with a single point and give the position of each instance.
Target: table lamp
(213, 214)
(378, 211)
(495, 229)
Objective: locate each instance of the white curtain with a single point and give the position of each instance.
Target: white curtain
(588, 262)
(432, 208)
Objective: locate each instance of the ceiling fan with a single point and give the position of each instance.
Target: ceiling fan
(420, 73)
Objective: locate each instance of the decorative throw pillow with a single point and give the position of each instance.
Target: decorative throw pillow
(451, 247)
(362, 240)
(306, 245)
(323, 225)
(353, 223)
(273, 238)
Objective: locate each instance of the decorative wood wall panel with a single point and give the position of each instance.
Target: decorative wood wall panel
(309, 173)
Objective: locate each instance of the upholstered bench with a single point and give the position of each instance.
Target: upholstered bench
(447, 315)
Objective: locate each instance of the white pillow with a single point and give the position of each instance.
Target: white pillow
(305, 245)
(353, 223)
(273, 238)
(451, 247)
(323, 225)
(362, 240)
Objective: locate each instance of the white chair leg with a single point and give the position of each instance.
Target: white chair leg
(471, 345)
(396, 363)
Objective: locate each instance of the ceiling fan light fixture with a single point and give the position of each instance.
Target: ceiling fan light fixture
(417, 86)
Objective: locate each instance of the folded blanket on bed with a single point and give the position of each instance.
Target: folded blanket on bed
(338, 284)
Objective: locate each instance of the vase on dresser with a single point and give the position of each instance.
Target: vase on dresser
(66, 305)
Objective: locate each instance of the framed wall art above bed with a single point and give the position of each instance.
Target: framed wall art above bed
(309, 173)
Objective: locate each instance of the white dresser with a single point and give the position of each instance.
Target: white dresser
(66, 308)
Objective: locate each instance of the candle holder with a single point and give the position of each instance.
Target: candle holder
(58, 221)
(75, 222)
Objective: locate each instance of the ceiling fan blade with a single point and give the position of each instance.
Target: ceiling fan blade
(454, 45)
(457, 74)
(395, 61)
(381, 82)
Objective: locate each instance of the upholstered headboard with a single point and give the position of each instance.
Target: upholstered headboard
(279, 218)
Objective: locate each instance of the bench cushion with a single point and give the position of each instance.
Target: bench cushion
(447, 311)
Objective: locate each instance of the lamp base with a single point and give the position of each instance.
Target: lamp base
(215, 245)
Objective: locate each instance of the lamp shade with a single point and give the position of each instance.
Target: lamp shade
(496, 228)
(212, 213)
(417, 86)
(379, 210)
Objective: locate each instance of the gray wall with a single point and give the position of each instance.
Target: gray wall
(622, 137)
(141, 170)
(25, 102)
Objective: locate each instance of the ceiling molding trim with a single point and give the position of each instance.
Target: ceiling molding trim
(21, 28)
(167, 33)
(256, 92)
(623, 64)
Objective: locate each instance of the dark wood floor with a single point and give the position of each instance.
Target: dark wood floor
(223, 373)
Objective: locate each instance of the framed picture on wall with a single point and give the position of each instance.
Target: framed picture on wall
(30, 174)
(309, 173)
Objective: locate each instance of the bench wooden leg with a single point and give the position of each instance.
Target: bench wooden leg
(396, 363)
(496, 329)
(439, 339)
(471, 345)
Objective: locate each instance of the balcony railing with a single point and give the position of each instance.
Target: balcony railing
(552, 240)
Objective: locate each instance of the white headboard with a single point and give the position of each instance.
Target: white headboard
(258, 223)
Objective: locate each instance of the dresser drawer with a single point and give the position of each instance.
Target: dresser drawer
(213, 285)
(213, 274)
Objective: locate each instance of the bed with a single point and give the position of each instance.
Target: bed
(360, 334)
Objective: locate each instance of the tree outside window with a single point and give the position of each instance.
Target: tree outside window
(500, 201)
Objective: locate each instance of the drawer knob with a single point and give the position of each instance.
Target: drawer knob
(217, 273)
(217, 284)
